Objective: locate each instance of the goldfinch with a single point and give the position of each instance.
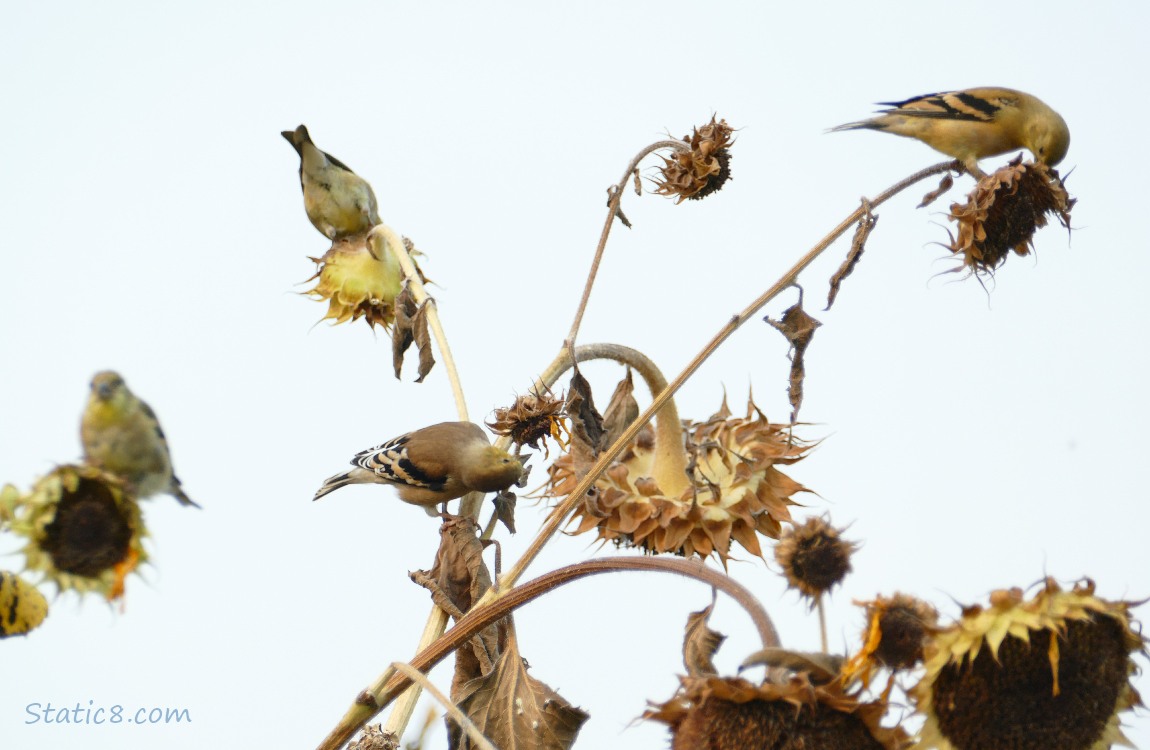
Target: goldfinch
(975, 123)
(121, 435)
(338, 201)
(433, 465)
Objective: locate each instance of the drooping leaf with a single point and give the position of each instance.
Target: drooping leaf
(858, 243)
(799, 329)
(700, 643)
(516, 711)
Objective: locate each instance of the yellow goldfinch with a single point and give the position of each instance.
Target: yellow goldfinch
(121, 435)
(975, 123)
(338, 201)
(433, 465)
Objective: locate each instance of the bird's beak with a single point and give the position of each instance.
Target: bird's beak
(104, 391)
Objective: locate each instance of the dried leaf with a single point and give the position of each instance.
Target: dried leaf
(946, 183)
(619, 208)
(457, 580)
(403, 332)
(505, 509)
(700, 643)
(621, 411)
(862, 231)
(423, 341)
(516, 711)
(799, 328)
(587, 433)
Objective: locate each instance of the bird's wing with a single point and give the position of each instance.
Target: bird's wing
(390, 461)
(972, 105)
(336, 162)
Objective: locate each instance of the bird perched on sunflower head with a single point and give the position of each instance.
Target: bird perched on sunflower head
(432, 465)
(973, 124)
(121, 435)
(338, 202)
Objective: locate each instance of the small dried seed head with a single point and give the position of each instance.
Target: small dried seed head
(814, 556)
(530, 419)
(897, 630)
(1005, 210)
(1049, 672)
(695, 174)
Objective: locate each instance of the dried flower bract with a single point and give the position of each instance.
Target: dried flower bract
(695, 174)
(1049, 672)
(1005, 210)
(733, 489)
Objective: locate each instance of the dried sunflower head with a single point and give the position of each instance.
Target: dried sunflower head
(360, 278)
(898, 627)
(734, 714)
(1049, 672)
(695, 174)
(1005, 210)
(531, 418)
(84, 530)
(22, 606)
(814, 556)
(732, 489)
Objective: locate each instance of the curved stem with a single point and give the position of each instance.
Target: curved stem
(616, 196)
(559, 514)
(670, 468)
(384, 690)
(395, 244)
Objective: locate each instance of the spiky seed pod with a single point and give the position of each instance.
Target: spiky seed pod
(695, 174)
(814, 556)
(1004, 211)
(897, 630)
(1049, 672)
(530, 419)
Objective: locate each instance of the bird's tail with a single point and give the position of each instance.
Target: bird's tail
(859, 125)
(179, 494)
(331, 484)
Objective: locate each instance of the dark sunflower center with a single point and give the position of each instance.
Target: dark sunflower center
(989, 705)
(770, 725)
(88, 535)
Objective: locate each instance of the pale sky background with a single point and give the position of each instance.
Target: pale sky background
(152, 223)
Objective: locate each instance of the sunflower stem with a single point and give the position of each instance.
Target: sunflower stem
(489, 610)
(437, 619)
(822, 620)
(395, 243)
(616, 197)
(560, 513)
